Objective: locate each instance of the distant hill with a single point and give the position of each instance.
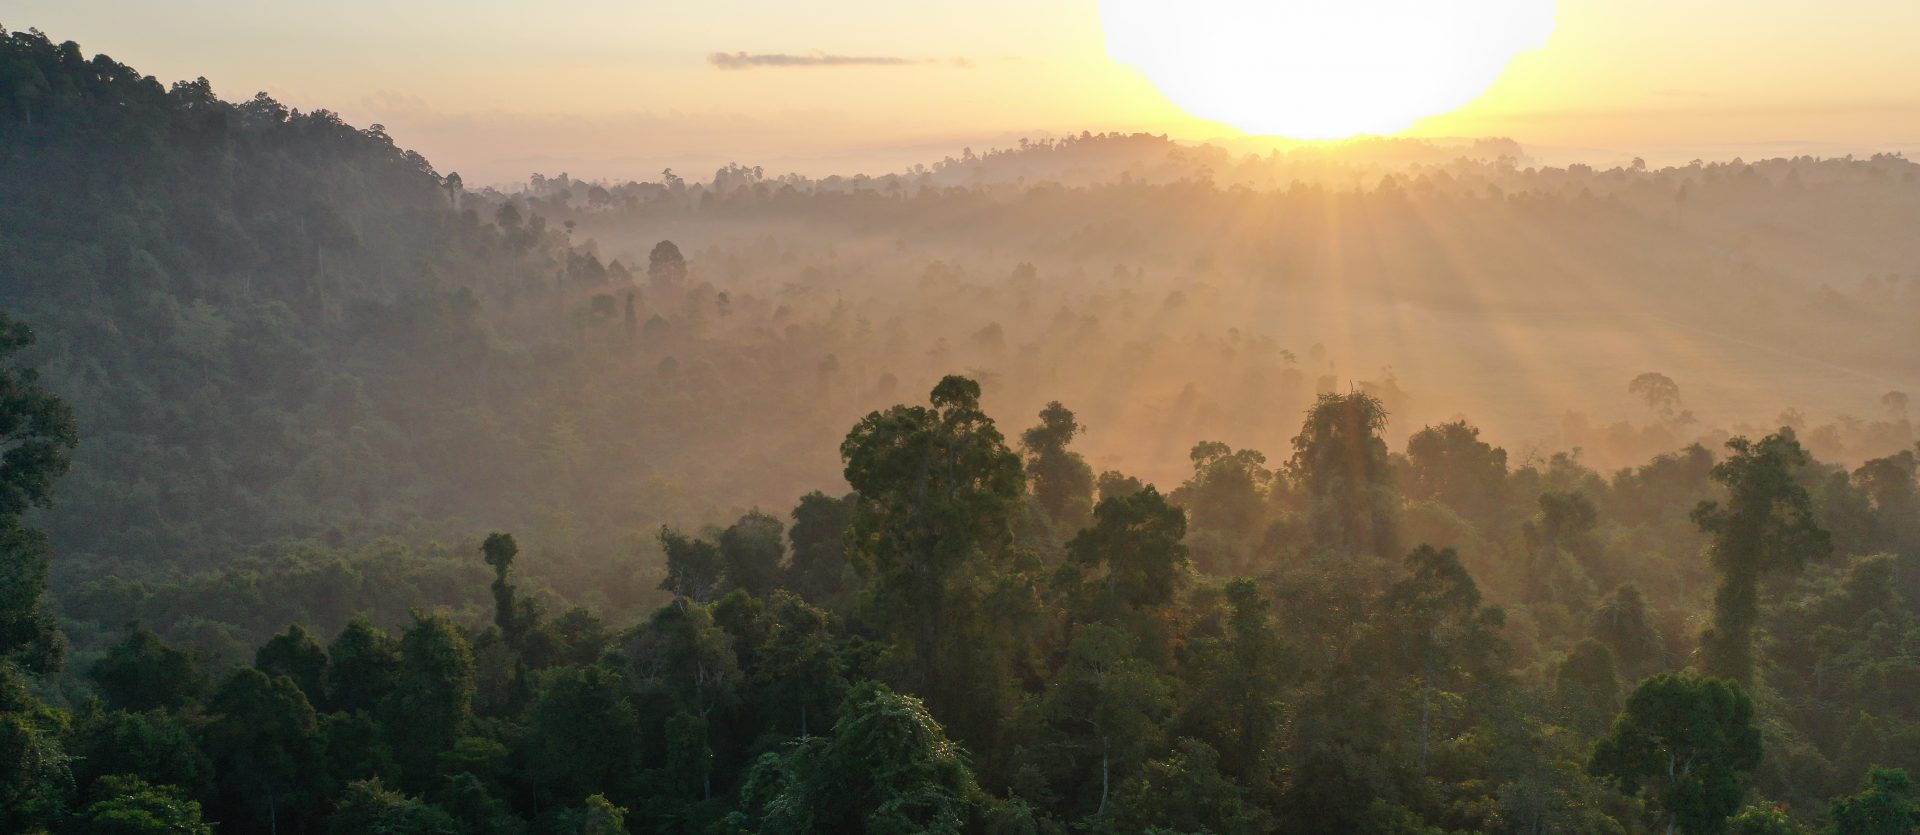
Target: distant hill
(274, 325)
(270, 322)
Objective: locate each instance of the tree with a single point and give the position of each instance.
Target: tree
(694, 568)
(1135, 545)
(1659, 391)
(887, 769)
(1227, 493)
(37, 429)
(603, 817)
(683, 655)
(1885, 808)
(143, 673)
(298, 655)
(690, 756)
(1625, 624)
(750, 553)
(819, 570)
(1767, 524)
(37, 433)
(124, 805)
(1062, 482)
(1100, 718)
(1896, 404)
(1186, 791)
(1341, 462)
(499, 550)
(155, 746)
(363, 666)
(1564, 517)
(1891, 486)
(476, 807)
(1684, 741)
(667, 269)
(368, 807)
(577, 637)
(1560, 549)
(264, 743)
(29, 635)
(35, 778)
(584, 736)
(1236, 677)
(1435, 628)
(1449, 464)
(1588, 687)
(1762, 820)
(454, 186)
(938, 491)
(800, 670)
(431, 703)
(1114, 484)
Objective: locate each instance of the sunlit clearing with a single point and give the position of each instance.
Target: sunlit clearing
(1323, 69)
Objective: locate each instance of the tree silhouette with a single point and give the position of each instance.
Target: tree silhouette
(1766, 524)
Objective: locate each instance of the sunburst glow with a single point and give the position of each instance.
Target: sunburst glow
(1321, 69)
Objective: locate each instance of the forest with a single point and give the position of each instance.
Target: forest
(1100, 484)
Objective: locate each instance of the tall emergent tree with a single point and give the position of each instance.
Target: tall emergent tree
(1685, 741)
(667, 270)
(750, 552)
(938, 492)
(1767, 524)
(499, 550)
(1451, 465)
(1341, 462)
(1134, 545)
(1062, 480)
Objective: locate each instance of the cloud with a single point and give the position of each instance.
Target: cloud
(746, 61)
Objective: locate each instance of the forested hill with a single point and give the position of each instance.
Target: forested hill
(269, 321)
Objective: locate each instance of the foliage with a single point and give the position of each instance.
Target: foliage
(1062, 480)
(1685, 742)
(887, 768)
(1341, 463)
(128, 806)
(1767, 524)
(1886, 807)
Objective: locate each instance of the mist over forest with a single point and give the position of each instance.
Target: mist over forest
(1104, 483)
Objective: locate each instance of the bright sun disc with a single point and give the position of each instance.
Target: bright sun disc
(1322, 69)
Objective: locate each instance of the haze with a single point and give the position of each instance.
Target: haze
(752, 418)
(622, 90)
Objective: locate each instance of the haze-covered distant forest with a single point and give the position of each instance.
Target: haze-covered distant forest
(1100, 484)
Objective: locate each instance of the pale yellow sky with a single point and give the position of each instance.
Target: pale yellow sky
(620, 89)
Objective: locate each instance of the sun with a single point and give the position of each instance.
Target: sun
(1322, 69)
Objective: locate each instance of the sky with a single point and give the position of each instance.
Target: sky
(601, 88)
